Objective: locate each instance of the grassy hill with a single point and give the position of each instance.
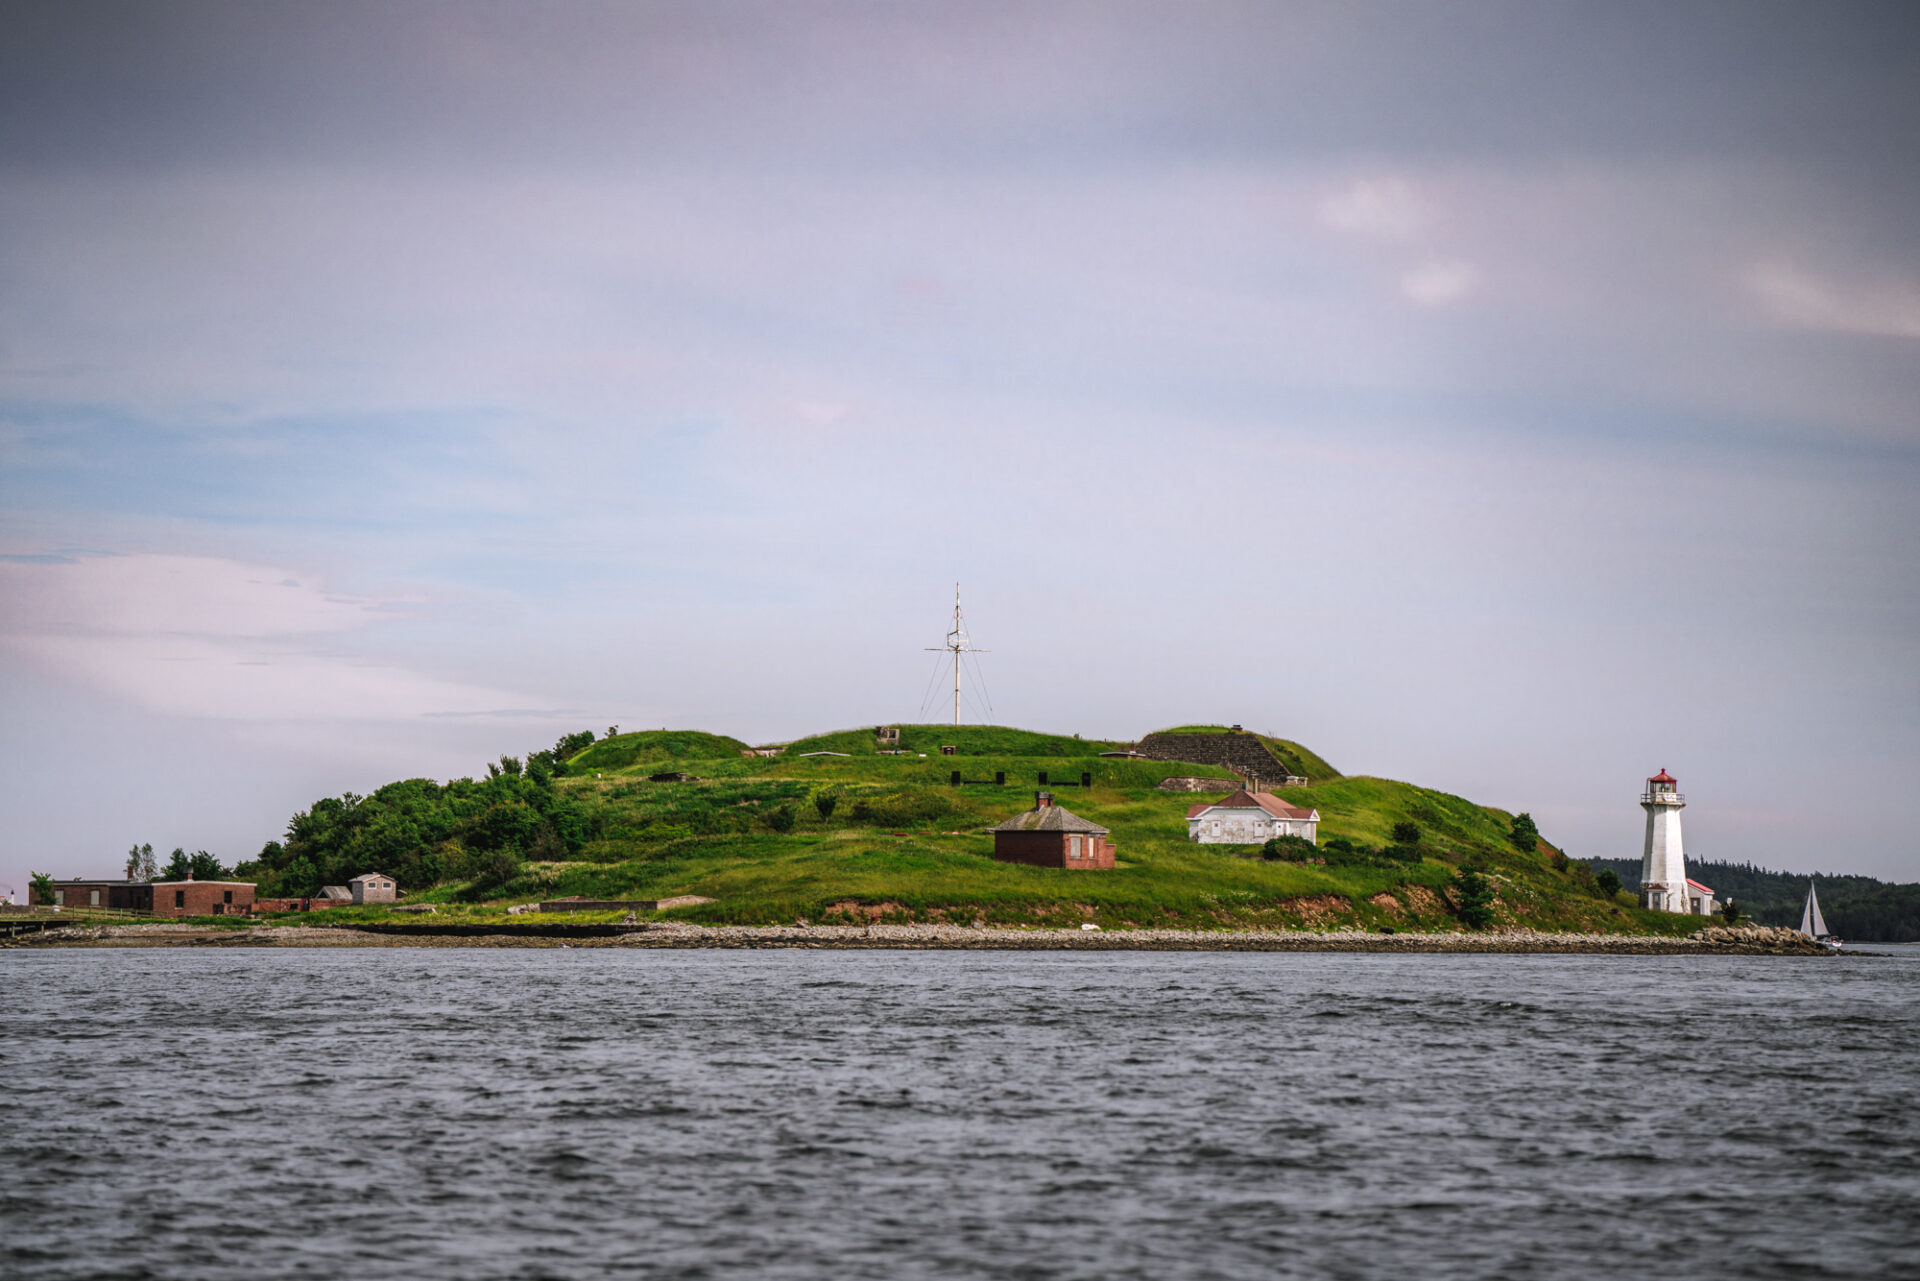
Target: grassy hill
(863, 836)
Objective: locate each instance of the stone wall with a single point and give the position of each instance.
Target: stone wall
(1244, 754)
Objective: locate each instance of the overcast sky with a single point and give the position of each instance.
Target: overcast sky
(1513, 399)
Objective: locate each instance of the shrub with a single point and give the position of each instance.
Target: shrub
(1525, 836)
(1473, 898)
(1607, 881)
(1289, 849)
(781, 820)
(1406, 833)
(823, 803)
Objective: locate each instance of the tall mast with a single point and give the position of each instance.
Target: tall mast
(956, 645)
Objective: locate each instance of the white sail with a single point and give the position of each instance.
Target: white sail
(1811, 923)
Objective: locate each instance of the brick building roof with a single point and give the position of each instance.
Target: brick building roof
(1049, 818)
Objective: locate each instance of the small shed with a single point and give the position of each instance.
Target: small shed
(373, 887)
(1049, 836)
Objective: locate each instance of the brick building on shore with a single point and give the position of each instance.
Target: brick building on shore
(1049, 836)
(161, 898)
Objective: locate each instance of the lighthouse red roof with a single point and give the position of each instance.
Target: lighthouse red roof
(1663, 777)
(1698, 886)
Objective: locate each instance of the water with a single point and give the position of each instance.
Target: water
(589, 1113)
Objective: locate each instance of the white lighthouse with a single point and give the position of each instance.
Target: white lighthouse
(1663, 865)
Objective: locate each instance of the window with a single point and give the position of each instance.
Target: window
(228, 898)
(59, 898)
(93, 898)
(179, 898)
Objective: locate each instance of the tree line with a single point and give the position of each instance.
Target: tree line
(421, 832)
(1861, 908)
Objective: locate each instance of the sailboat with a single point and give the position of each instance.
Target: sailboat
(1812, 924)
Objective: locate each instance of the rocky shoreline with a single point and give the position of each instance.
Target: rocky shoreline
(1712, 941)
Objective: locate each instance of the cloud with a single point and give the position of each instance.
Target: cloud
(1386, 207)
(1435, 284)
(216, 638)
(1793, 296)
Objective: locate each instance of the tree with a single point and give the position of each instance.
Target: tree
(199, 865)
(1608, 880)
(1473, 898)
(1406, 833)
(781, 820)
(1730, 913)
(42, 887)
(1525, 836)
(823, 803)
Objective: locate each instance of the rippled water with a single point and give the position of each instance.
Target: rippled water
(586, 1113)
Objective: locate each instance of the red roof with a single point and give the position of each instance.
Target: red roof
(1698, 886)
(1244, 800)
(1663, 777)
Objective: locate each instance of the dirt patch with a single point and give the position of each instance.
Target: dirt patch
(1387, 903)
(1423, 901)
(1319, 909)
(849, 910)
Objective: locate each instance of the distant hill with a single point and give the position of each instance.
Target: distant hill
(1856, 907)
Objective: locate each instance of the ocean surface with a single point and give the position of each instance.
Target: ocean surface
(588, 1113)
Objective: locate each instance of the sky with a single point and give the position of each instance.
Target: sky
(1516, 399)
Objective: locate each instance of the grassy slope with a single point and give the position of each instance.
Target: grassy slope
(654, 748)
(925, 854)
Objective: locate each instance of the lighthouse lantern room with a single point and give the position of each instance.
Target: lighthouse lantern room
(1663, 865)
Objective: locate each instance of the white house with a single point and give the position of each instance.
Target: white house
(1250, 818)
(373, 887)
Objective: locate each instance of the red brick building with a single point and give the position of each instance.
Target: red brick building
(202, 898)
(1048, 836)
(128, 896)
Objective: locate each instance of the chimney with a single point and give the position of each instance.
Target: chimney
(1043, 800)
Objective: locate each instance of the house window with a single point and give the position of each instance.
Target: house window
(93, 898)
(229, 897)
(59, 898)
(179, 898)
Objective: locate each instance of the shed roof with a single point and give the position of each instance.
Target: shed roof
(1245, 800)
(1049, 818)
(1698, 886)
(334, 891)
(370, 876)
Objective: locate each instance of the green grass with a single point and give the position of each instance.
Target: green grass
(901, 844)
